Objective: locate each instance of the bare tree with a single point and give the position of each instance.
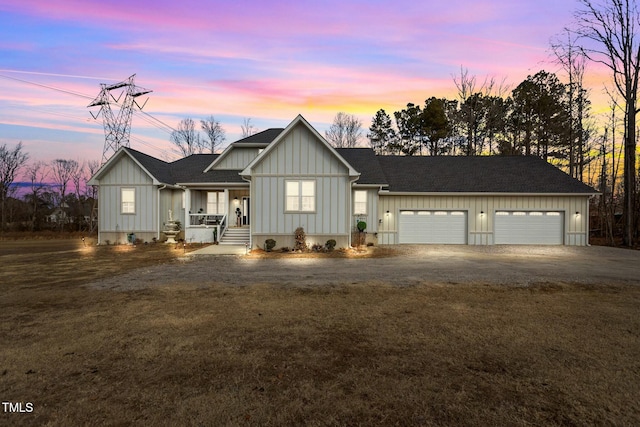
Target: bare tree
(214, 132)
(345, 132)
(573, 61)
(62, 173)
(247, 128)
(78, 179)
(36, 174)
(610, 28)
(10, 162)
(92, 192)
(186, 138)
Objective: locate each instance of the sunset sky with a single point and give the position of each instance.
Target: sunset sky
(264, 60)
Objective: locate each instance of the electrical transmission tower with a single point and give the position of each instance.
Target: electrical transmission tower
(116, 116)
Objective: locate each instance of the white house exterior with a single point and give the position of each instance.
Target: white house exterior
(265, 186)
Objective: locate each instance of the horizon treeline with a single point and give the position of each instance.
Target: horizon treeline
(541, 116)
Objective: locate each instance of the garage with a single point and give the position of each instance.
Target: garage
(529, 228)
(437, 227)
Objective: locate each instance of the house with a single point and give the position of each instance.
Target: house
(268, 184)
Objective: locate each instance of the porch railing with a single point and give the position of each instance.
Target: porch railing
(222, 227)
(205, 219)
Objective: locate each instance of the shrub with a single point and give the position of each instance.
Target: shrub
(331, 244)
(317, 247)
(301, 239)
(269, 244)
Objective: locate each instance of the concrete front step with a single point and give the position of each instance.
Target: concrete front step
(235, 236)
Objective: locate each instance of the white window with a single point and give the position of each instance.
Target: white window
(300, 196)
(215, 203)
(128, 200)
(360, 202)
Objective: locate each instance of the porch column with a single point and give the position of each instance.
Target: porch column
(187, 207)
(227, 203)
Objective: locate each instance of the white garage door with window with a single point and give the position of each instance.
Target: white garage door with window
(449, 227)
(528, 228)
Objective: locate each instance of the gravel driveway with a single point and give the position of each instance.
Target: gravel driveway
(414, 264)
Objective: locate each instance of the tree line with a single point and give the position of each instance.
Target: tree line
(538, 118)
(55, 195)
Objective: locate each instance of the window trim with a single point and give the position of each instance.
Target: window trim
(360, 207)
(300, 196)
(131, 205)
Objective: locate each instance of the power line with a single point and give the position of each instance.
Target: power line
(69, 92)
(152, 120)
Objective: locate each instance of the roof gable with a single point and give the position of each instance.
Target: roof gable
(299, 120)
(258, 140)
(156, 169)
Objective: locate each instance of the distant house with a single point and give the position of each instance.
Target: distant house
(266, 185)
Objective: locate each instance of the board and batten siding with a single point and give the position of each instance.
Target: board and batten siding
(238, 158)
(372, 216)
(300, 156)
(481, 225)
(113, 225)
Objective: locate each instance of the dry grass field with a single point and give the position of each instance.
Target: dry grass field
(343, 355)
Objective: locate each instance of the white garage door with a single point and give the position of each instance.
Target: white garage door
(529, 228)
(433, 227)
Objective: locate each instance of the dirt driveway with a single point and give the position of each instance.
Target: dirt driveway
(409, 265)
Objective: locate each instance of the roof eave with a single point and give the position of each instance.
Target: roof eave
(95, 179)
(469, 193)
(212, 184)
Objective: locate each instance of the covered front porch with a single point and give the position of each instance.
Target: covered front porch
(212, 212)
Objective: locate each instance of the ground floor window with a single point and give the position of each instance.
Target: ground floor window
(215, 203)
(128, 200)
(360, 202)
(300, 196)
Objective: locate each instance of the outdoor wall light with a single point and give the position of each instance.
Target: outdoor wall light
(577, 213)
(482, 213)
(387, 213)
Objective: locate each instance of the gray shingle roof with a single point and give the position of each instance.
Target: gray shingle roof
(479, 174)
(417, 174)
(160, 169)
(186, 170)
(264, 137)
(366, 162)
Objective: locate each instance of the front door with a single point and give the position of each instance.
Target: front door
(245, 210)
